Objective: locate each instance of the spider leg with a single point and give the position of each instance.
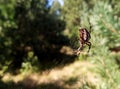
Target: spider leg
(79, 49)
(81, 46)
(90, 25)
(89, 44)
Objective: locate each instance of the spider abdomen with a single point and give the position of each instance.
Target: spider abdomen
(84, 35)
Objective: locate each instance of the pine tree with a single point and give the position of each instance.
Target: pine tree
(104, 17)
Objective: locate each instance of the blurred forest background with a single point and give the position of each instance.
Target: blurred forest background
(36, 38)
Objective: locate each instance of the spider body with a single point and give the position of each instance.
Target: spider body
(84, 35)
(84, 39)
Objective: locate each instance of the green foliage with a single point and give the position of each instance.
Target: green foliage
(105, 35)
(6, 21)
(30, 63)
(107, 21)
(104, 17)
(6, 7)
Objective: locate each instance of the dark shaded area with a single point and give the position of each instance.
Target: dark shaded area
(72, 81)
(29, 83)
(50, 86)
(37, 31)
(57, 60)
(115, 49)
(12, 85)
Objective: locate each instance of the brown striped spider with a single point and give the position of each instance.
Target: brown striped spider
(84, 39)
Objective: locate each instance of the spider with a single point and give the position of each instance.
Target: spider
(84, 39)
